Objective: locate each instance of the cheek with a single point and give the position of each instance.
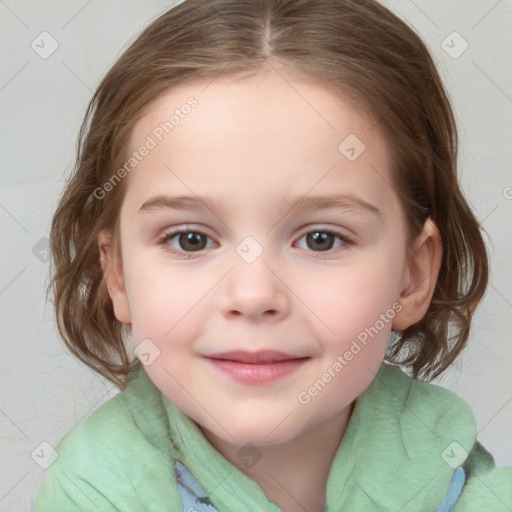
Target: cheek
(166, 307)
(170, 311)
(354, 297)
(357, 311)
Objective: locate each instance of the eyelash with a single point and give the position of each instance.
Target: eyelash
(347, 242)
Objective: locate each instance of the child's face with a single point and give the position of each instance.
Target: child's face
(251, 146)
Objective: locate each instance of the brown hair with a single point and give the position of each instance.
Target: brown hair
(357, 48)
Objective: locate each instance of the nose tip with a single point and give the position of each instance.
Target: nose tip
(253, 291)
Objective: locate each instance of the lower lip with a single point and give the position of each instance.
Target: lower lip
(258, 373)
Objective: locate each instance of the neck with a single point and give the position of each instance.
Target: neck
(293, 474)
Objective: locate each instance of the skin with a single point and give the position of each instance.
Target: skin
(250, 144)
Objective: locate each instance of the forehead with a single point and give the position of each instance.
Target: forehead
(255, 106)
(271, 130)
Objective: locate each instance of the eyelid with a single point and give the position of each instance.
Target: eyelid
(313, 227)
(184, 228)
(344, 233)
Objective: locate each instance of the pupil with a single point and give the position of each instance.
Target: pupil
(192, 241)
(324, 241)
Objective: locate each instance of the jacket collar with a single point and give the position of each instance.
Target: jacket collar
(403, 442)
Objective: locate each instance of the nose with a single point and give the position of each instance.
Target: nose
(254, 291)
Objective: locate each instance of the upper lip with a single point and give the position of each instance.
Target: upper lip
(260, 357)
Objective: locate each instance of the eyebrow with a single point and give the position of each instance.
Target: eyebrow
(308, 202)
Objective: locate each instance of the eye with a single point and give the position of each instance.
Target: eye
(188, 241)
(323, 240)
(185, 241)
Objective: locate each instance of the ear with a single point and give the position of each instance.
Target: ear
(113, 273)
(420, 277)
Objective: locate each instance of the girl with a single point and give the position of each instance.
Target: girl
(265, 212)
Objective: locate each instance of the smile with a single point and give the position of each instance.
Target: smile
(256, 368)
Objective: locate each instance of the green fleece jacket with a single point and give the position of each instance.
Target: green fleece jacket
(409, 447)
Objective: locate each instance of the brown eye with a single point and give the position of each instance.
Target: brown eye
(323, 240)
(320, 241)
(186, 241)
(192, 241)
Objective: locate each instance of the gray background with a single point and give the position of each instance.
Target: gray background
(44, 392)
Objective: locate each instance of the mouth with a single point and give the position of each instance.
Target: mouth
(256, 368)
(260, 357)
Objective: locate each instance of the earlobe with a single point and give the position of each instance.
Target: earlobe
(114, 280)
(419, 277)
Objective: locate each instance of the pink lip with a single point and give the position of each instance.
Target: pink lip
(257, 367)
